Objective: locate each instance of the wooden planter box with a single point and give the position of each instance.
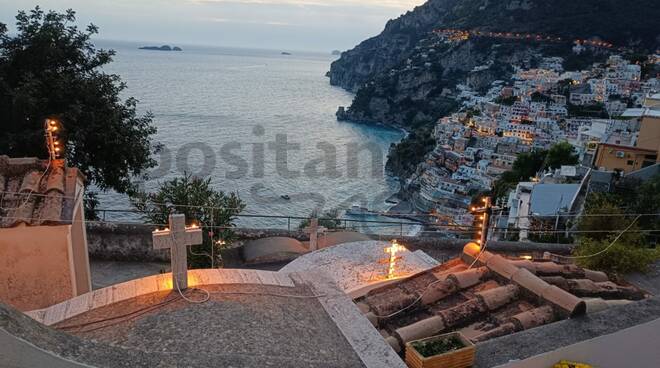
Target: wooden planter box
(461, 358)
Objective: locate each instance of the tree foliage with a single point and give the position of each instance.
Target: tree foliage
(615, 212)
(560, 154)
(214, 211)
(404, 156)
(50, 69)
(528, 164)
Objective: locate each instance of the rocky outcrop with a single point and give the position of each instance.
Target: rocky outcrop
(421, 89)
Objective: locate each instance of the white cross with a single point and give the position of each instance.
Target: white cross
(177, 238)
(392, 251)
(313, 230)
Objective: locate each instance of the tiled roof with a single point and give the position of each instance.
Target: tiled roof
(495, 297)
(35, 193)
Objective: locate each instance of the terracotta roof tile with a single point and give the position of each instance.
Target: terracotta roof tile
(35, 193)
(502, 267)
(494, 297)
(564, 300)
(31, 182)
(55, 180)
(596, 276)
(530, 282)
(51, 209)
(22, 212)
(468, 278)
(535, 317)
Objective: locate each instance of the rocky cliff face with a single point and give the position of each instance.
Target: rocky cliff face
(420, 89)
(618, 21)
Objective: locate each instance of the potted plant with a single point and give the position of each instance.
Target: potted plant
(450, 350)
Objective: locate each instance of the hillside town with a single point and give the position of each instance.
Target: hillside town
(609, 114)
(522, 188)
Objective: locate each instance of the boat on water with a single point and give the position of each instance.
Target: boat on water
(286, 197)
(357, 210)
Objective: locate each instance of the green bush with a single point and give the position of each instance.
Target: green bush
(214, 211)
(329, 219)
(625, 256)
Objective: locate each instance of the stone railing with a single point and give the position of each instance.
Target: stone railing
(119, 242)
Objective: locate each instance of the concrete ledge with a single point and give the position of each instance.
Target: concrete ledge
(546, 338)
(151, 284)
(18, 353)
(367, 342)
(632, 347)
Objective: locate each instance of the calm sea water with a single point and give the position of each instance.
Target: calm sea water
(226, 113)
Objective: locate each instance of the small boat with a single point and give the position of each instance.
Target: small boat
(357, 210)
(285, 53)
(286, 197)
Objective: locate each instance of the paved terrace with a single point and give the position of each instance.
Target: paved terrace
(253, 319)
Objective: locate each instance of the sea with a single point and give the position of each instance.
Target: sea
(260, 123)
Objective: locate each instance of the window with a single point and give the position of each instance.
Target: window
(630, 163)
(620, 154)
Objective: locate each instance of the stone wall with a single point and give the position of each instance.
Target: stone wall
(133, 243)
(123, 243)
(119, 242)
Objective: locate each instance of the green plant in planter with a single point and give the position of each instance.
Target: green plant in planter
(436, 347)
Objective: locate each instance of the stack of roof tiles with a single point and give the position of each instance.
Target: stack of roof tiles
(35, 192)
(485, 295)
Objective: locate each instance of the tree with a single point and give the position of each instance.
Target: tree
(214, 211)
(560, 154)
(50, 69)
(528, 164)
(604, 212)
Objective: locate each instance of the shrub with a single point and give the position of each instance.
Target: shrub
(214, 211)
(329, 220)
(624, 256)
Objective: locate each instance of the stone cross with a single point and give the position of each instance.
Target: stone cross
(177, 238)
(313, 230)
(391, 262)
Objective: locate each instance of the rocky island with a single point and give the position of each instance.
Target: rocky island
(161, 48)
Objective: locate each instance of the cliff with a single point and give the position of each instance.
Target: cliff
(621, 22)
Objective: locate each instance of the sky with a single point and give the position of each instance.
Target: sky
(314, 25)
